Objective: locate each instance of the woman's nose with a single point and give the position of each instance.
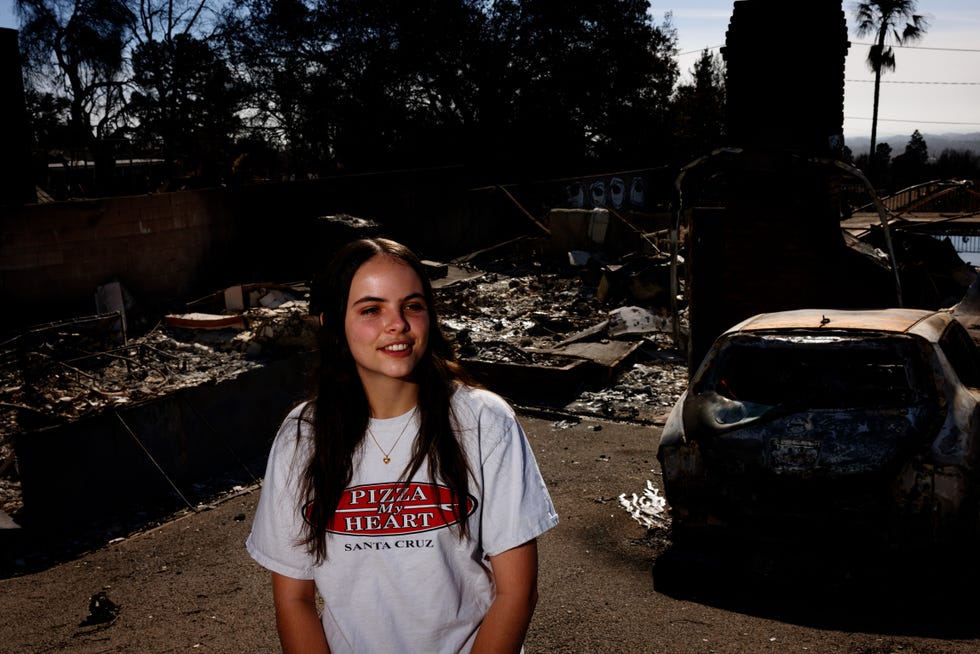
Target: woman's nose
(396, 322)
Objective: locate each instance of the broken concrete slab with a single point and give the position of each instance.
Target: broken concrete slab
(275, 298)
(595, 331)
(607, 353)
(435, 269)
(522, 383)
(626, 321)
(235, 298)
(456, 273)
(606, 357)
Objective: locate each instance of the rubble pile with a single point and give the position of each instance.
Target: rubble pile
(68, 376)
(524, 317)
(523, 311)
(516, 312)
(497, 318)
(59, 389)
(78, 369)
(644, 392)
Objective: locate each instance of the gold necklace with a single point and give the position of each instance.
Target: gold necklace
(387, 455)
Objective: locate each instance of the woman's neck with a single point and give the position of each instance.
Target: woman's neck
(389, 400)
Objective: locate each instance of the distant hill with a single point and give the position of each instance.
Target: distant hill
(935, 142)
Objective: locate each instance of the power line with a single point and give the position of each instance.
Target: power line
(709, 47)
(871, 81)
(894, 45)
(903, 120)
(916, 47)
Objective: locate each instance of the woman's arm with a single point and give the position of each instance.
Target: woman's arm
(515, 575)
(299, 626)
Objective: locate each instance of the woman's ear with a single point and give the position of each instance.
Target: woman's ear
(321, 319)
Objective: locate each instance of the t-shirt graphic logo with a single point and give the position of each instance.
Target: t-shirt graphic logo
(393, 509)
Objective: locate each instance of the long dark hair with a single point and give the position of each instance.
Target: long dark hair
(338, 412)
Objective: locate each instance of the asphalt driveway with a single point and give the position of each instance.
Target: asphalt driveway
(188, 585)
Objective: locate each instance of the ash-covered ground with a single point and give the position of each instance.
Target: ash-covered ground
(501, 312)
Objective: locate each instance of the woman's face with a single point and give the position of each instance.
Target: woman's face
(387, 320)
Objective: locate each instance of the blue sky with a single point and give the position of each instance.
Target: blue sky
(7, 14)
(935, 88)
(949, 103)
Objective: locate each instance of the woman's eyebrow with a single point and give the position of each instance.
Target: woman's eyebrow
(371, 298)
(368, 298)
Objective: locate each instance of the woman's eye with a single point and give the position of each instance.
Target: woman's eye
(368, 311)
(416, 307)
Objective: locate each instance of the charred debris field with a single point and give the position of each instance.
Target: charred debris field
(552, 338)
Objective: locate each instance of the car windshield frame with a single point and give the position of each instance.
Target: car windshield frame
(820, 369)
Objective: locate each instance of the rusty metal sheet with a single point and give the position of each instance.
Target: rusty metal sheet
(204, 321)
(890, 320)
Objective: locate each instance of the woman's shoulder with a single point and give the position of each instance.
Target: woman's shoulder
(293, 425)
(298, 410)
(477, 395)
(299, 413)
(480, 400)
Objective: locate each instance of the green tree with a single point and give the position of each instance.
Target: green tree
(360, 83)
(402, 80)
(912, 166)
(278, 50)
(508, 85)
(699, 108)
(185, 104)
(48, 119)
(958, 164)
(886, 20)
(517, 85)
(917, 150)
(594, 82)
(879, 165)
(75, 49)
(49, 134)
(185, 98)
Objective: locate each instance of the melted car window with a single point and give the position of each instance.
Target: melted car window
(818, 373)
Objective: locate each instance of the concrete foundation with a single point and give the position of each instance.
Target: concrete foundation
(148, 457)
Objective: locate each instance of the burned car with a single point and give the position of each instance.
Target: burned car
(810, 422)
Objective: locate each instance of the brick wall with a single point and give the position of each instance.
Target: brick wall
(160, 247)
(168, 248)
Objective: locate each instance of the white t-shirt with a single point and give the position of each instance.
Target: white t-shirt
(397, 578)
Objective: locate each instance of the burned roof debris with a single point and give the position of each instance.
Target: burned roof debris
(580, 322)
(536, 329)
(74, 369)
(529, 325)
(62, 373)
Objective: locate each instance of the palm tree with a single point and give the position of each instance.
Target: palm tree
(882, 18)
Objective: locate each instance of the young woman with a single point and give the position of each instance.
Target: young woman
(402, 494)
